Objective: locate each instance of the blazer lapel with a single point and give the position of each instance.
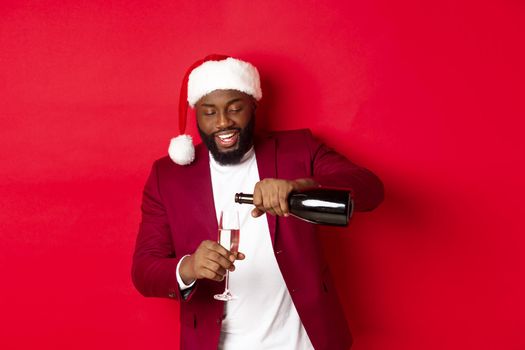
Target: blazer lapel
(199, 185)
(266, 163)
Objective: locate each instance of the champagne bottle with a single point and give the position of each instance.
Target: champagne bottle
(321, 206)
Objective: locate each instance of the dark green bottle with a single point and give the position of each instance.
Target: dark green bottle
(320, 206)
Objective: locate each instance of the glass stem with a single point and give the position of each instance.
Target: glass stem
(227, 290)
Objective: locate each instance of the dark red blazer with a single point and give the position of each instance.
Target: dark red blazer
(178, 213)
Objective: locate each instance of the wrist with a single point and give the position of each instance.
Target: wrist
(301, 184)
(186, 270)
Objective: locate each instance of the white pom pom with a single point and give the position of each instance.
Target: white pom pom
(181, 150)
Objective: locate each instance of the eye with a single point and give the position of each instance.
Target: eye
(235, 109)
(209, 112)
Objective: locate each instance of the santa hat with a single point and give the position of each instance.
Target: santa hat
(214, 72)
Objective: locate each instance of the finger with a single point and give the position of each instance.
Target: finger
(215, 267)
(283, 202)
(261, 210)
(223, 251)
(257, 195)
(216, 247)
(276, 203)
(207, 244)
(218, 277)
(212, 275)
(270, 211)
(267, 206)
(240, 256)
(223, 261)
(256, 212)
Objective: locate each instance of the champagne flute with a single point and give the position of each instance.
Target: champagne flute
(229, 232)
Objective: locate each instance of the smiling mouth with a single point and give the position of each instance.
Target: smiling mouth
(227, 139)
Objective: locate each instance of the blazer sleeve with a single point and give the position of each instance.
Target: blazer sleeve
(154, 264)
(332, 169)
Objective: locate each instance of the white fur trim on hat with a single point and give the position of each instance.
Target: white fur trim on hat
(228, 74)
(181, 149)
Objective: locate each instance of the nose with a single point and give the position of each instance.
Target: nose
(223, 121)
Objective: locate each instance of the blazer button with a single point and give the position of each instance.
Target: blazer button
(278, 252)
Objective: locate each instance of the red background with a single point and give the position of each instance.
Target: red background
(425, 94)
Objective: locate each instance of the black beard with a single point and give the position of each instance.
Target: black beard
(235, 156)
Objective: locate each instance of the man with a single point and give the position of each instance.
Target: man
(286, 298)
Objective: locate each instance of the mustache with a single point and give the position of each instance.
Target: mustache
(231, 128)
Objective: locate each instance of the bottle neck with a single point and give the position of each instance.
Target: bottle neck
(243, 198)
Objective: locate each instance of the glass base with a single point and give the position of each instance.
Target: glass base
(226, 296)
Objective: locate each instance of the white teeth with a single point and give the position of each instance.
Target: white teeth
(226, 136)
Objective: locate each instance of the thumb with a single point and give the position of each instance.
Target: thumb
(257, 212)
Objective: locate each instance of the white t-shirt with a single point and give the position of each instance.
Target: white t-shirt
(263, 316)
